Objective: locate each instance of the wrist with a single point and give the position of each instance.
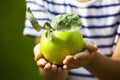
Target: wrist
(92, 59)
(53, 75)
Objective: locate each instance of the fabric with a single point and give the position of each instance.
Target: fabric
(100, 20)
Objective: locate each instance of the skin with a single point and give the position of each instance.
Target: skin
(52, 72)
(83, 1)
(47, 70)
(105, 68)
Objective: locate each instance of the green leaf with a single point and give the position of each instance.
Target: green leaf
(32, 20)
(66, 22)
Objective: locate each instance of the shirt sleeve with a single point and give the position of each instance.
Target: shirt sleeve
(41, 14)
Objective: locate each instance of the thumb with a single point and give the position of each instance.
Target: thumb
(37, 52)
(90, 45)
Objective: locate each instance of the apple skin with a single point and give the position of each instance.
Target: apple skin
(61, 45)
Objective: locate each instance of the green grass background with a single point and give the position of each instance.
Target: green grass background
(16, 50)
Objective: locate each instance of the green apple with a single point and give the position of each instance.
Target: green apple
(61, 45)
(61, 38)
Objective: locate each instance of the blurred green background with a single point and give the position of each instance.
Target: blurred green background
(16, 50)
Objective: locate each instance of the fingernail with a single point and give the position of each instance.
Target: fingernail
(35, 58)
(65, 67)
(95, 46)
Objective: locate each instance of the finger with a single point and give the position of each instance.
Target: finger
(90, 45)
(81, 56)
(68, 59)
(54, 67)
(37, 52)
(48, 66)
(65, 67)
(41, 62)
(59, 69)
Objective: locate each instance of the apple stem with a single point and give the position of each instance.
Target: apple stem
(48, 27)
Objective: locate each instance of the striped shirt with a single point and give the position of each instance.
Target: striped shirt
(100, 19)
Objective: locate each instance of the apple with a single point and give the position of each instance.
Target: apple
(61, 45)
(61, 38)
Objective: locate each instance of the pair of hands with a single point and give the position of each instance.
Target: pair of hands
(71, 61)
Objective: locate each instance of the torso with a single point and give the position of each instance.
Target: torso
(100, 23)
(100, 20)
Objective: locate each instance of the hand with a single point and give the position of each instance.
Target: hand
(82, 58)
(42, 62)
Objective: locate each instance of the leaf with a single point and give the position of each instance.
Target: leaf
(32, 20)
(66, 22)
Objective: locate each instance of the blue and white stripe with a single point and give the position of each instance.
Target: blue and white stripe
(100, 19)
